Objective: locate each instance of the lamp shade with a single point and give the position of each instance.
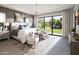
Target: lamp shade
(76, 14)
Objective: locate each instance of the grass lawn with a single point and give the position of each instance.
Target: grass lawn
(58, 31)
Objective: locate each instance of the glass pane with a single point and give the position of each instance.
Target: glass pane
(2, 17)
(57, 25)
(48, 24)
(41, 24)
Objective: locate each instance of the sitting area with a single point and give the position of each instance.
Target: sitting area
(42, 34)
(34, 38)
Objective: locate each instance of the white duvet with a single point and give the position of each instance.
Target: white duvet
(22, 34)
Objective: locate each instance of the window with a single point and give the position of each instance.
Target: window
(57, 25)
(2, 17)
(48, 24)
(41, 23)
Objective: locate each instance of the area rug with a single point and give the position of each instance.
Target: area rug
(9, 47)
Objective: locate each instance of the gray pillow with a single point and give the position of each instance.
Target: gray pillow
(15, 32)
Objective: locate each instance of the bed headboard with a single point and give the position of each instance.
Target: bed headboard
(15, 27)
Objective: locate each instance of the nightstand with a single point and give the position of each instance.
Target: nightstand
(4, 34)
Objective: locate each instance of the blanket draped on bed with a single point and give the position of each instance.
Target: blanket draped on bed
(22, 34)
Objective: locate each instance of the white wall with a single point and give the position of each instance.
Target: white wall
(51, 14)
(67, 22)
(36, 21)
(71, 19)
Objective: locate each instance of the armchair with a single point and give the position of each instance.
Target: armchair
(42, 35)
(32, 39)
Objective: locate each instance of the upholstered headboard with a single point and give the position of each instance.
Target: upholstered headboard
(16, 27)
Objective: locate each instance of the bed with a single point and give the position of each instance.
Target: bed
(20, 33)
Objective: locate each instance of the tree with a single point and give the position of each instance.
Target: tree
(58, 22)
(41, 23)
(52, 22)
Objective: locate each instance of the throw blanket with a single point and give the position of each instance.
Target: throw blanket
(22, 34)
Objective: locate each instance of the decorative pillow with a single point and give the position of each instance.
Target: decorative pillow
(25, 25)
(20, 26)
(15, 27)
(15, 32)
(30, 34)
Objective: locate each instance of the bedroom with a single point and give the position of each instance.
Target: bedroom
(19, 24)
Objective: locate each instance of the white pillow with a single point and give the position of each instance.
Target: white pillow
(15, 26)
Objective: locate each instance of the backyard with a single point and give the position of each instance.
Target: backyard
(56, 31)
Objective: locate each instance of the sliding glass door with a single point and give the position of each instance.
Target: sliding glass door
(57, 25)
(51, 25)
(48, 26)
(41, 23)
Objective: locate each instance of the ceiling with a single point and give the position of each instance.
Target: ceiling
(41, 8)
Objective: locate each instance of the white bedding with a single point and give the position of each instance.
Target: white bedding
(22, 34)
